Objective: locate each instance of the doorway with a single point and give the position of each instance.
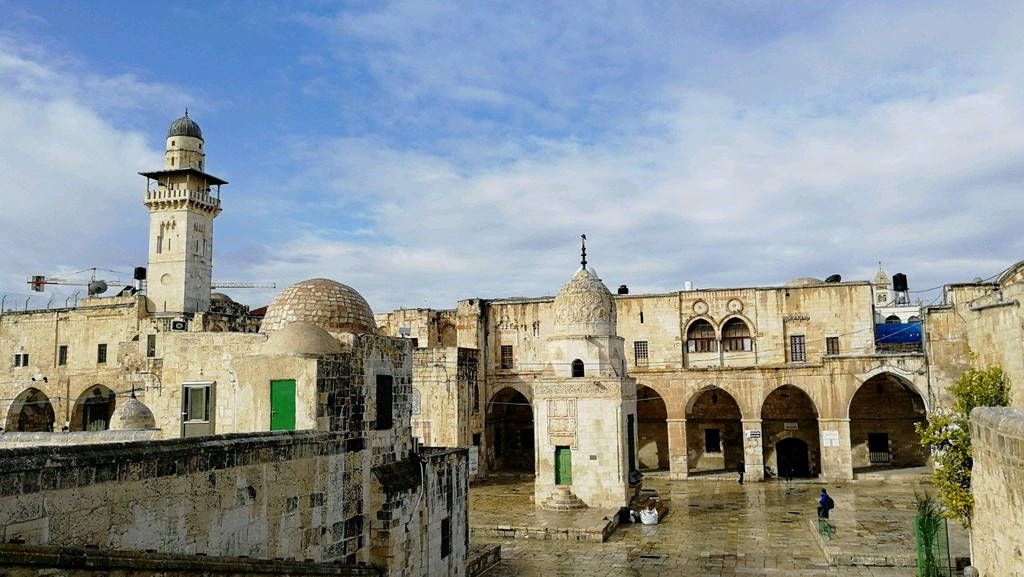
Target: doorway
(282, 405)
(793, 457)
(563, 466)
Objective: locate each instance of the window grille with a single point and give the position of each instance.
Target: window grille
(831, 345)
(506, 356)
(640, 353)
(797, 349)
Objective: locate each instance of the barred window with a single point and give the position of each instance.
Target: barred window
(150, 346)
(831, 345)
(506, 356)
(62, 355)
(797, 349)
(700, 338)
(640, 353)
(101, 354)
(736, 336)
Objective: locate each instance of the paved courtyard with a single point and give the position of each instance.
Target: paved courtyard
(715, 527)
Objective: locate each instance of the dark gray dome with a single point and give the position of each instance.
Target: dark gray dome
(185, 126)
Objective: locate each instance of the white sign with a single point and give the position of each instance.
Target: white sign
(791, 426)
(752, 434)
(830, 438)
(474, 460)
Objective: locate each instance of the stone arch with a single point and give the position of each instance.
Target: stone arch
(883, 414)
(728, 334)
(93, 409)
(31, 411)
(652, 429)
(697, 319)
(714, 430)
(448, 334)
(510, 432)
(789, 412)
(887, 370)
(384, 331)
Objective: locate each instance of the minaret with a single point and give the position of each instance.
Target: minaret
(182, 200)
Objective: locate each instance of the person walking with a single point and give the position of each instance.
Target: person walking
(825, 504)
(741, 468)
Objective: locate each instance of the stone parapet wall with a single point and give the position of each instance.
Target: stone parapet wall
(266, 495)
(16, 440)
(997, 440)
(32, 561)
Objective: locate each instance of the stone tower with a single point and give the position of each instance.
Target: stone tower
(586, 405)
(182, 200)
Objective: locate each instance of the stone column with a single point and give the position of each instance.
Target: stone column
(836, 451)
(678, 460)
(753, 450)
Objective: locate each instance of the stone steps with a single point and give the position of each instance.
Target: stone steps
(562, 499)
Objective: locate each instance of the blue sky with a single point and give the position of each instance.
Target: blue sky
(425, 152)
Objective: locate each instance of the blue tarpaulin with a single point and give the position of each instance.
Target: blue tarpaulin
(898, 333)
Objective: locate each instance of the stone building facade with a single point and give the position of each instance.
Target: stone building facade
(785, 379)
(291, 442)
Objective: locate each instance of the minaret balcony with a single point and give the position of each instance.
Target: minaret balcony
(200, 197)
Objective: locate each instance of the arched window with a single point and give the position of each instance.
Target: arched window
(892, 320)
(736, 336)
(417, 405)
(914, 319)
(701, 338)
(577, 368)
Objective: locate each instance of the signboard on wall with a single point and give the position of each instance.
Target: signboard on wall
(752, 433)
(474, 460)
(791, 426)
(830, 438)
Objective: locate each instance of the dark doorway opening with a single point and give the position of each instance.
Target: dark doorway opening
(793, 457)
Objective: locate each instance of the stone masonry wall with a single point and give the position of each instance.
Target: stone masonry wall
(997, 482)
(266, 495)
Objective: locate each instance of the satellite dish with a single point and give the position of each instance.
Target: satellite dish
(97, 287)
(834, 279)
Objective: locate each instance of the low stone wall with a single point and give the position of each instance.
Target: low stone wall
(17, 440)
(285, 494)
(30, 561)
(997, 482)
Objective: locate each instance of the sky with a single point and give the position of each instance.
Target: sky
(425, 152)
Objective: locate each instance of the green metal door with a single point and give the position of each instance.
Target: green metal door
(563, 466)
(282, 405)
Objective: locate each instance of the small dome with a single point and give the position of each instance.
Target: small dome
(330, 305)
(302, 338)
(584, 306)
(185, 126)
(805, 281)
(132, 415)
(220, 297)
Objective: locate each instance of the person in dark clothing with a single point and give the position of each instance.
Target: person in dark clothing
(825, 504)
(741, 468)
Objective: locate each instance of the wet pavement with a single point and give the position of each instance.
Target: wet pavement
(718, 528)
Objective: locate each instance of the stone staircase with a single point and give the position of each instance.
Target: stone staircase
(562, 499)
(645, 499)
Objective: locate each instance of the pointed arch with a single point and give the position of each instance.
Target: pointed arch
(93, 409)
(510, 431)
(883, 414)
(31, 411)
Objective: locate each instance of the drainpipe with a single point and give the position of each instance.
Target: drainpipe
(1013, 302)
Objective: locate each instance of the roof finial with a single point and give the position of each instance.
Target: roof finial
(584, 261)
(186, 112)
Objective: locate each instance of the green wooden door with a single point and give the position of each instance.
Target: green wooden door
(282, 405)
(563, 466)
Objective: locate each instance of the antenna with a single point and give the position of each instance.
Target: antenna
(584, 261)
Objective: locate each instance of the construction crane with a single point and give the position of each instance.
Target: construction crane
(217, 285)
(95, 286)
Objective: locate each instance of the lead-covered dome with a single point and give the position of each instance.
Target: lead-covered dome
(185, 126)
(325, 303)
(584, 306)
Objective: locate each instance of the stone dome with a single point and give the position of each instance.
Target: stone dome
(132, 415)
(584, 306)
(302, 338)
(330, 305)
(221, 297)
(185, 126)
(805, 281)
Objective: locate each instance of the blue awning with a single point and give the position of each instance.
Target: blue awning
(898, 333)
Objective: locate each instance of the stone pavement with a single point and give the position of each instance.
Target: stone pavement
(718, 528)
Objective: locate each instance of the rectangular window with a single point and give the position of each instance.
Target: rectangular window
(831, 345)
(62, 355)
(385, 395)
(471, 380)
(712, 441)
(21, 360)
(101, 354)
(797, 350)
(17, 360)
(506, 356)
(446, 537)
(150, 346)
(640, 353)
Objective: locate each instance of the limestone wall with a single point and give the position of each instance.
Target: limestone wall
(997, 483)
(263, 495)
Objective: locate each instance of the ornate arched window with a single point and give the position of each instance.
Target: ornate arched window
(701, 338)
(577, 368)
(416, 401)
(736, 336)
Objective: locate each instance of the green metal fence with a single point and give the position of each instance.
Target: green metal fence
(932, 547)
